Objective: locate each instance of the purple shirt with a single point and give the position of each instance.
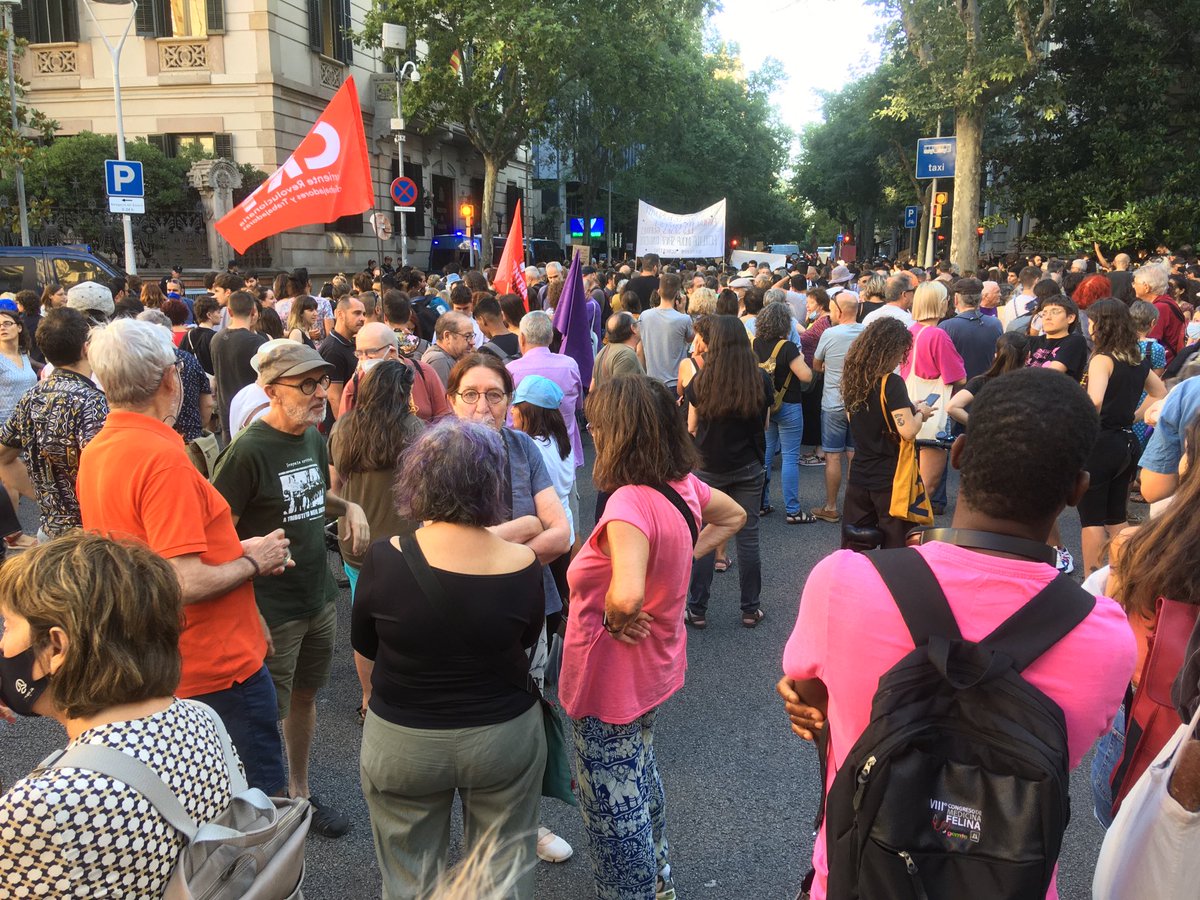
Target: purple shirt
(564, 372)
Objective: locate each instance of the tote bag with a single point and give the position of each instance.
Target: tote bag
(1151, 848)
(919, 388)
(909, 500)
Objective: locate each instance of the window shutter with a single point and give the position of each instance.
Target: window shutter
(23, 25)
(314, 25)
(161, 141)
(70, 21)
(147, 22)
(215, 9)
(223, 146)
(345, 41)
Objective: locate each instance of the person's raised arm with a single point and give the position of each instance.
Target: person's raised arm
(908, 423)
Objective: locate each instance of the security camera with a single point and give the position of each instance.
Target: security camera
(416, 76)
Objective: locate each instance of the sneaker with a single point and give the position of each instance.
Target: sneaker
(551, 847)
(327, 821)
(663, 889)
(812, 460)
(1066, 562)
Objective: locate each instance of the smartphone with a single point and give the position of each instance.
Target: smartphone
(933, 399)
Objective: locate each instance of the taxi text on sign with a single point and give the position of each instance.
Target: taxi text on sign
(935, 157)
(328, 176)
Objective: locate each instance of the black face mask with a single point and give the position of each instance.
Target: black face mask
(19, 690)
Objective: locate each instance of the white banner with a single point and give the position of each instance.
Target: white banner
(698, 235)
(774, 260)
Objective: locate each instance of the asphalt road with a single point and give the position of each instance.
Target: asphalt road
(741, 789)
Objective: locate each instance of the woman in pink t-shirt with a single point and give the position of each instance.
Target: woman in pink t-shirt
(625, 647)
(933, 366)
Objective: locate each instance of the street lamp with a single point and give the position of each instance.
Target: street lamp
(395, 37)
(8, 6)
(115, 53)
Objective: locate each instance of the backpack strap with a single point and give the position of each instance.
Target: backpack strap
(684, 510)
(133, 772)
(1042, 622)
(916, 593)
(237, 781)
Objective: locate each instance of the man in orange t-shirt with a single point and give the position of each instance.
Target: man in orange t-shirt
(136, 481)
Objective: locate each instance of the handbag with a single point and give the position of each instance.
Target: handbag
(1151, 718)
(909, 500)
(1150, 850)
(919, 388)
(557, 781)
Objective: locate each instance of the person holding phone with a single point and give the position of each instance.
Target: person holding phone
(882, 417)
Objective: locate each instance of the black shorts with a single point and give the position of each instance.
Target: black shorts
(1111, 466)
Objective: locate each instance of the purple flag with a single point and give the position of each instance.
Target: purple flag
(571, 321)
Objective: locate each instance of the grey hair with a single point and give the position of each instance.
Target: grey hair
(895, 287)
(1144, 314)
(876, 286)
(556, 266)
(453, 472)
(537, 328)
(154, 317)
(1154, 277)
(129, 358)
(774, 295)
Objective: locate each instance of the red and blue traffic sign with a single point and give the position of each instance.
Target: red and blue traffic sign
(404, 191)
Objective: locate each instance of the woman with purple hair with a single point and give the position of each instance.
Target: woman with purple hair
(444, 620)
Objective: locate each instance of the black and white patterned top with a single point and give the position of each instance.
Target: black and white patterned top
(75, 833)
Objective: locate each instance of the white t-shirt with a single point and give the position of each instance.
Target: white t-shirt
(562, 475)
(887, 311)
(245, 401)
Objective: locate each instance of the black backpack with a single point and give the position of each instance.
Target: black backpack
(959, 785)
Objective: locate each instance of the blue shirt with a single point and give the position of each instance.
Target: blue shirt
(974, 336)
(1165, 448)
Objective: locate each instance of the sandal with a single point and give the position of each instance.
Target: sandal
(751, 619)
(800, 518)
(699, 622)
(766, 510)
(18, 541)
(721, 565)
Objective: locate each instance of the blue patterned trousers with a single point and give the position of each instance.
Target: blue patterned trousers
(624, 809)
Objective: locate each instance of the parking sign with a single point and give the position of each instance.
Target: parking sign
(125, 186)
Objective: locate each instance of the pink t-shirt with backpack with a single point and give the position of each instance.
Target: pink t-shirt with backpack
(606, 678)
(849, 632)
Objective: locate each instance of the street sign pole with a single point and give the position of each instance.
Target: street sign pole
(400, 164)
(932, 194)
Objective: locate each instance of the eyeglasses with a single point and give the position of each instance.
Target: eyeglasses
(467, 336)
(308, 386)
(494, 398)
(367, 354)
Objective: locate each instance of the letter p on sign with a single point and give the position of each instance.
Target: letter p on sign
(123, 178)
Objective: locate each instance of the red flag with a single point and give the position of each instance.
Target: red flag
(327, 177)
(510, 273)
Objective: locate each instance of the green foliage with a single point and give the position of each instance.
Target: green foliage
(1102, 144)
(17, 146)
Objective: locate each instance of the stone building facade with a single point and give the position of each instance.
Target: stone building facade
(246, 79)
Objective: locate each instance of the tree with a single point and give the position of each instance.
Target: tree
(513, 58)
(16, 147)
(965, 54)
(1101, 145)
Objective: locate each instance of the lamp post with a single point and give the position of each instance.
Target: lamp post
(395, 37)
(8, 6)
(115, 53)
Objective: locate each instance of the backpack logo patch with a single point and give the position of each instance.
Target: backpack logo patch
(959, 825)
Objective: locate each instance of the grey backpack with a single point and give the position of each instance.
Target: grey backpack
(254, 850)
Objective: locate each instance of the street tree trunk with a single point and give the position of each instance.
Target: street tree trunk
(964, 242)
(487, 212)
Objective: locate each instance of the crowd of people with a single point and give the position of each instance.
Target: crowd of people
(194, 460)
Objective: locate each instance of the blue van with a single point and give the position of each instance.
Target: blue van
(32, 268)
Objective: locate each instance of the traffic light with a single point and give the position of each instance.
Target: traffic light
(979, 231)
(941, 197)
(467, 211)
(941, 237)
(734, 243)
(937, 220)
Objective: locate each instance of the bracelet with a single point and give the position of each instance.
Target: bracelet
(609, 628)
(250, 559)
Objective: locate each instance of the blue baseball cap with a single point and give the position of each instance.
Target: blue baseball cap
(7, 304)
(540, 391)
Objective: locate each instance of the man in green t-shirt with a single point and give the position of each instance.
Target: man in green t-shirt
(277, 471)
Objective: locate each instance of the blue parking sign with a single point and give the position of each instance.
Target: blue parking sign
(911, 214)
(123, 178)
(935, 157)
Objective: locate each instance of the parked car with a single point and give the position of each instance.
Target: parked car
(30, 268)
(446, 248)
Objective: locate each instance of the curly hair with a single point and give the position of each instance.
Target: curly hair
(730, 386)
(878, 350)
(774, 323)
(1113, 331)
(1158, 560)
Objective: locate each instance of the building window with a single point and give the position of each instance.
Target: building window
(329, 29)
(47, 22)
(180, 18)
(172, 145)
(346, 225)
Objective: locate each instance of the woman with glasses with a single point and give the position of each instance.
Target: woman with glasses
(480, 389)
